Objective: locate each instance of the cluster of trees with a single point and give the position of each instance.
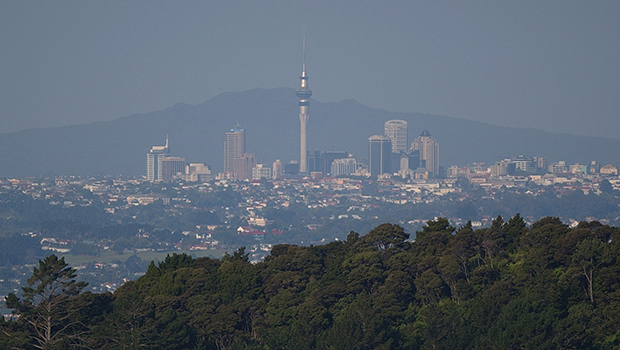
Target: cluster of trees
(505, 287)
(575, 205)
(21, 212)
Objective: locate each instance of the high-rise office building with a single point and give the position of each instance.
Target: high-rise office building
(260, 171)
(396, 130)
(303, 95)
(343, 166)
(429, 152)
(153, 161)
(172, 166)
(242, 166)
(379, 154)
(503, 168)
(322, 161)
(197, 172)
(278, 169)
(328, 157)
(314, 162)
(525, 164)
(291, 168)
(541, 163)
(234, 146)
(406, 161)
(558, 167)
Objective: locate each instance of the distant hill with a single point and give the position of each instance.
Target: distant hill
(270, 118)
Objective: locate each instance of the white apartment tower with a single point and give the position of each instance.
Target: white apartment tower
(234, 147)
(396, 130)
(153, 161)
(260, 171)
(344, 166)
(278, 169)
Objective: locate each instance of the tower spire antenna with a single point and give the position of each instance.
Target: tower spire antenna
(303, 65)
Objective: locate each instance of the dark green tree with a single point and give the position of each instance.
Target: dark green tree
(513, 229)
(386, 237)
(464, 246)
(590, 255)
(492, 241)
(45, 305)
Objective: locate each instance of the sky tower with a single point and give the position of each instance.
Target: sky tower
(303, 95)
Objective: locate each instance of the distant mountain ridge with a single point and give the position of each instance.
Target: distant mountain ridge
(270, 117)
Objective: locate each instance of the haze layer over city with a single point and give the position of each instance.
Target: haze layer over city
(543, 65)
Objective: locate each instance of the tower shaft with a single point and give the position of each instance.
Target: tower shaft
(303, 121)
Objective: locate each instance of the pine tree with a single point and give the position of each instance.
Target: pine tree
(45, 305)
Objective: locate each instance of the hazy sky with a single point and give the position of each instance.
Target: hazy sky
(552, 65)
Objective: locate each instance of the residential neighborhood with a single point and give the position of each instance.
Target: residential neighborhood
(110, 228)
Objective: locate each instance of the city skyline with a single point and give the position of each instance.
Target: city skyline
(420, 161)
(198, 134)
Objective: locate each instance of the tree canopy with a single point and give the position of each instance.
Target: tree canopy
(507, 286)
(47, 306)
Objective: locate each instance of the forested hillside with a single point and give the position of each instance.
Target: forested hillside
(509, 286)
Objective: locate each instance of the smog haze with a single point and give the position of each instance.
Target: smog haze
(550, 65)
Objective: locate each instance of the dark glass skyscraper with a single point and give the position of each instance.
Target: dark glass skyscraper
(379, 155)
